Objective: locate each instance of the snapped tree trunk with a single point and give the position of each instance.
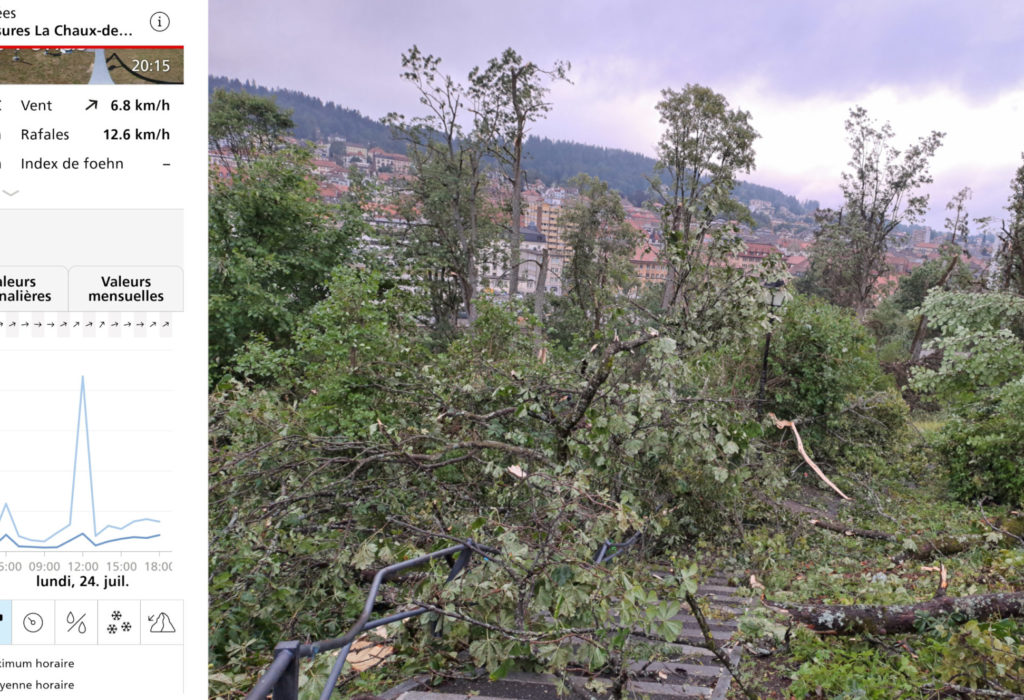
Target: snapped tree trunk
(668, 296)
(925, 549)
(540, 291)
(514, 235)
(900, 619)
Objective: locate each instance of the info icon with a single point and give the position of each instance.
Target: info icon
(160, 21)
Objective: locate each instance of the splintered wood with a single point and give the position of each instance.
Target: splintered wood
(783, 424)
(367, 653)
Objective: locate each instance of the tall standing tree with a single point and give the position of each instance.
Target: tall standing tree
(509, 94)
(704, 146)
(449, 234)
(602, 245)
(958, 224)
(1010, 256)
(881, 190)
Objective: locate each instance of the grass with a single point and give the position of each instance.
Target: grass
(38, 67)
(928, 424)
(137, 59)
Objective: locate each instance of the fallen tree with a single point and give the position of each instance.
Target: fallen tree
(899, 619)
(1008, 531)
(924, 548)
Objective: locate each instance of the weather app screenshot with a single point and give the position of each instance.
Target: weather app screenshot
(102, 349)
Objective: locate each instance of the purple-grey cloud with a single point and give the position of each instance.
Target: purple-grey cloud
(791, 53)
(800, 48)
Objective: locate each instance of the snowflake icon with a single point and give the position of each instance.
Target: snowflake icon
(112, 629)
(116, 615)
(126, 626)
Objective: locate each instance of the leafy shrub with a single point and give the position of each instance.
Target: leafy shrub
(982, 448)
(982, 376)
(980, 343)
(825, 373)
(820, 356)
(893, 331)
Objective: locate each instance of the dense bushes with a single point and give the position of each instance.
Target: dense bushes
(981, 377)
(983, 448)
(825, 375)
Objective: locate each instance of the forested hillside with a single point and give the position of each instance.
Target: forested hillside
(553, 162)
(315, 119)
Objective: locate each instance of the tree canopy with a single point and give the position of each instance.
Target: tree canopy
(881, 190)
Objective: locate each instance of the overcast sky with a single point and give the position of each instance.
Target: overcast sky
(797, 66)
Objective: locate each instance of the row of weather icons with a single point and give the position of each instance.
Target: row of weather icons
(86, 324)
(121, 65)
(91, 622)
(33, 623)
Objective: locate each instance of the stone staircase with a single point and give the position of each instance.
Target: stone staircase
(678, 670)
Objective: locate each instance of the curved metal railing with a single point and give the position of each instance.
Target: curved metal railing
(281, 679)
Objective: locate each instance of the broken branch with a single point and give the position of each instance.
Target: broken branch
(782, 424)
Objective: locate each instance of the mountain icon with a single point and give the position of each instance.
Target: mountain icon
(162, 624)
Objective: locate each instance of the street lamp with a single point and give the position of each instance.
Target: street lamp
(775, 297)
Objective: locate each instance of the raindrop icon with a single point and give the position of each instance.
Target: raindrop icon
(80, 623)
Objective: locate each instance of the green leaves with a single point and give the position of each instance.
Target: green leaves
(982, 376)
(245, 125)
(273, 245)
(880, 192)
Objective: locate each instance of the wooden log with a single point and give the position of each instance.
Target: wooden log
(900, 619)
(844, 529)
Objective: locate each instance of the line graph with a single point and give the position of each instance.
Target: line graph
(82, 523)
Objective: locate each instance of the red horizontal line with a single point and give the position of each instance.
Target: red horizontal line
(91, 47)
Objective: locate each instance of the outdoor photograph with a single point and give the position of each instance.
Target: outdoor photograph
(612, 350)
(69, 66)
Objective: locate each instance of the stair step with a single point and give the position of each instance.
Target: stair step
(711, 670)
(654, 690)
(536, 686)
(676, 649)
(691, 621)
(717, 635)
(715, 581)
(685, 671)
(735, 600)
(689, 634)
(714, 588)
(425, 695)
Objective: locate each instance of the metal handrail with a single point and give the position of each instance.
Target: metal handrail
(281, 680)
(616, 548)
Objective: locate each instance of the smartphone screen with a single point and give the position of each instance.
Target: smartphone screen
(102, 349)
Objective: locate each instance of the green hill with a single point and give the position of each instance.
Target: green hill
(553, 162)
